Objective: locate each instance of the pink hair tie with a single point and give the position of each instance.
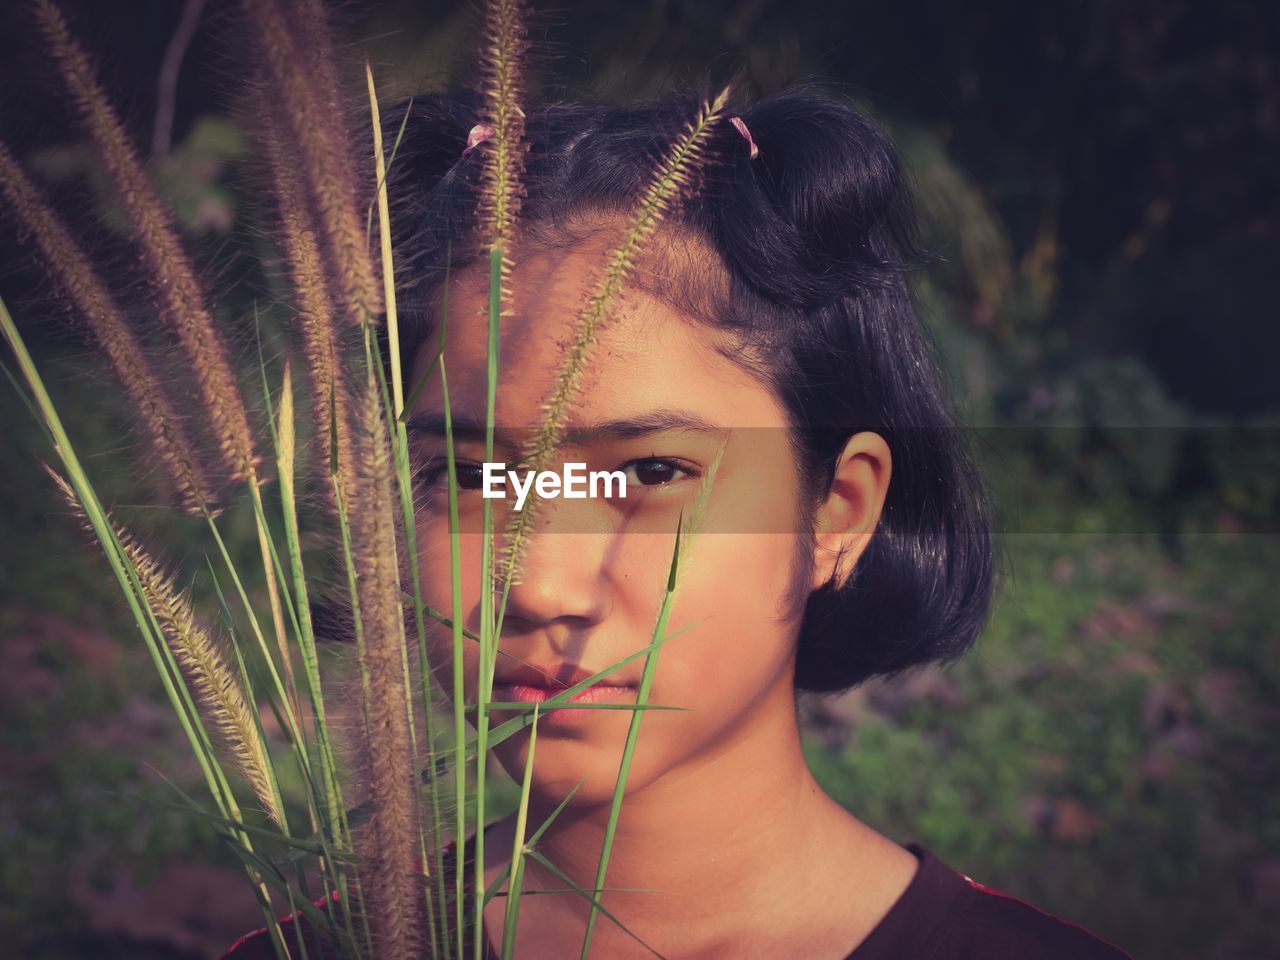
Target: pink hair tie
(478, 135)
(741, 126)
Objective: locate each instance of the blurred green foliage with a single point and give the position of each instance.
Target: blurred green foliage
(1104, 752)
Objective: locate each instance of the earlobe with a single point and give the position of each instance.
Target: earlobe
(847, 518)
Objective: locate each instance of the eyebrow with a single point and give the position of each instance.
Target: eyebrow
(626, 428)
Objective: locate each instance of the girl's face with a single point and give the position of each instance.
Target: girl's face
(658, 402)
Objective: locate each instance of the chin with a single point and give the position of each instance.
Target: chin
(560, 763)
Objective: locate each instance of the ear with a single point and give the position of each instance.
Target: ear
(847, 518)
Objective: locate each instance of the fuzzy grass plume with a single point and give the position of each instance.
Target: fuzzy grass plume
(320, 216)
(212, 681)
(501, 83)
(180, 297)
(317, 134)
(338, 297)
(69, 266)
(317, 39)
(502, 68)
(671, 180)
(391, 841)
(322, 337)
(181, 300)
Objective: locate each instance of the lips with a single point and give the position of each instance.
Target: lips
(553, 677)
(537, 684)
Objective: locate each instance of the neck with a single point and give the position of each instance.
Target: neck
(719, 837)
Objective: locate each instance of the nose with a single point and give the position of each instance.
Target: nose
(560, 582)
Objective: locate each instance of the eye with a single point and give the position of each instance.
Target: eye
(435, 474)
(655, 472)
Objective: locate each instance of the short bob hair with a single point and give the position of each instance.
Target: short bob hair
(816, 234)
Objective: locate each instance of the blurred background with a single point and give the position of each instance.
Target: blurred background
(1098, 183)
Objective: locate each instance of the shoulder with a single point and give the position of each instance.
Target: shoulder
(988, 924)
(256, 945)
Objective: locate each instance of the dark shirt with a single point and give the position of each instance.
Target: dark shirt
(942, 915)
(945, 915)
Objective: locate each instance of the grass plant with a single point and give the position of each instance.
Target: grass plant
(375, 818)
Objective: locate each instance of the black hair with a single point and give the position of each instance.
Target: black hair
(816, 238)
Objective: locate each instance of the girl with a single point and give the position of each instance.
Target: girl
(767, 330)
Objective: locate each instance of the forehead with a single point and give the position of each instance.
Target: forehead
(648, 353)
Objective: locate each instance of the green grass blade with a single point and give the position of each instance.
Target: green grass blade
(400, 447)
(595, 904)
(674, 576)
(518, 848)
(459, 685)
(127, 577)
(633, 733)
(488, 628)
(421, 383)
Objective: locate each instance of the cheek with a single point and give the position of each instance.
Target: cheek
(733, 601)
(435, 575)
(435, 559)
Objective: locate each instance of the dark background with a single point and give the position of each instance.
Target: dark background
(1099, 185)
(1127, 149)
